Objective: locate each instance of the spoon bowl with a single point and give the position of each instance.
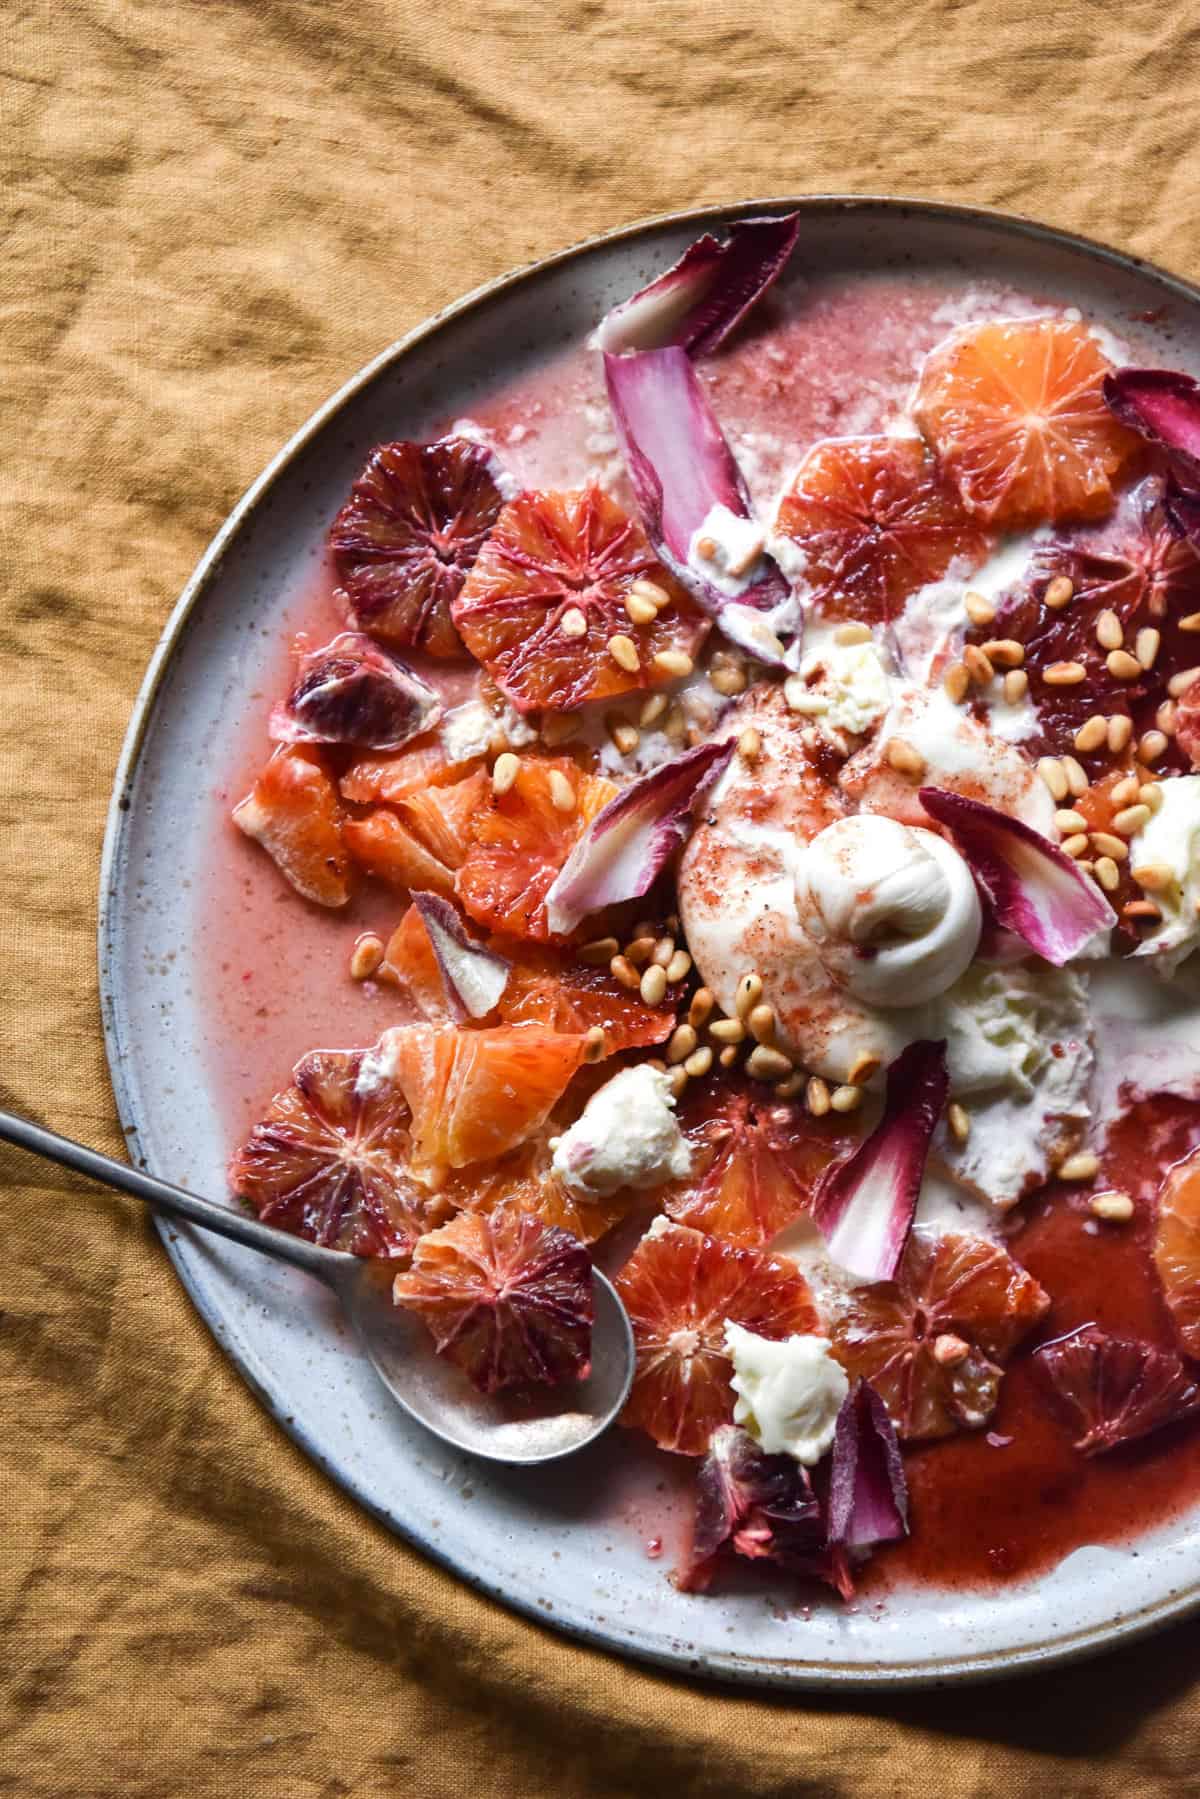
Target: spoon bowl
(540, 1427)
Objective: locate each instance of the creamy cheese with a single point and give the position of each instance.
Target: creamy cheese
(1171, 841)
(626, 1136)
(789, 1392)
(471, 729)
(736, 546)
(844, 686)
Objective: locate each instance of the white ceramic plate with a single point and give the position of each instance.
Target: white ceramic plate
(545, 1542)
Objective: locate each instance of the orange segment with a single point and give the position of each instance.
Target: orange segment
(293, 812)
(383, 847)
(476, 1093)
(679, 1288)
(547, 594)
(443, 816)
(521, 840)
(390, 778)
(410, 958)
(1177, 1249)
(524, 1179)
(570, 996)
(1015, 412)
(876, 520)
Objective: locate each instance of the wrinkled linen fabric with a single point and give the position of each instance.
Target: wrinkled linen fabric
(215, 212)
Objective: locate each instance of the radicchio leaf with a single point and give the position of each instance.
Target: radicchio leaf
(1181, 509)
(1113, 1390)
(352, 691)
(1162, 406)
(761, 1506)
(700, 299)
(1035, 889)
(631, 840)
(864, 1205)
(868, 1494)
(475, 977)
(682, 471)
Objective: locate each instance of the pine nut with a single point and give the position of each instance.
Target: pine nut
(1074, 846)
(1122, 666)
(950, 1351)
(904, 758)
(761, 1022)
(1108, 874)
(1152, 795)
(1125, 792)
(600, 951)
(676, 663)
(727, 1030)
(1069, 822)
(653, 710)
(1064, 674)
(1154, 877)
(1016, 686)
(1152, 746)
(706, 547)
(1132, 819)
(657, 596)
(701, 1008)
(675, 725)
(1052, 773)
(789, 1088)
(1004, 652)
(862, 1069)
(679, 967)
(624, 653)
(1092, 735)
(639, 951)
(1084, 1165)
(1141, 912)
(1077, 781)
(573, 623)
(977, 665)
(749, 745)
(728, 1055)
(1190, 622)
(640, 611)
(654, 985)
(852, 633)
(622, 970)
(678, 1078)
(593, 1044)
(959, 1120)
(1059, 593)
(981, 612)
(749, 992)
(956, 681)
(562, 794)
(663, 950)
(699, 1062)
(1167, 718)
(1146, 645)
(1109, 632)
(1120, 730)
(816, 1096)
(1105, 844)
(683, 1042)
(366, 956)
(625, 736)
(767, 1064)
(846, 1099)
(728, 681)
(504, 772)
(1114, 1206)
(1179, 684)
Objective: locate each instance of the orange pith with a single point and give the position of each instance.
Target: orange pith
(572, 556)
(1014, 410)
(294, 813)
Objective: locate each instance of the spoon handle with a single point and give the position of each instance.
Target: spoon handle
(163, 1197)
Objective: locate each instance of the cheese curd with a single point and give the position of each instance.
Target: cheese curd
(789, 1392)
(1171, 843)
(626, 1136)
(844, 686)
(472, 729)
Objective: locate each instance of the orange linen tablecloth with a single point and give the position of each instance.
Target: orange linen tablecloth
(214, 213)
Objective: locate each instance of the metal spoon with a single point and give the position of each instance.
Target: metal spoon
(429, 1388)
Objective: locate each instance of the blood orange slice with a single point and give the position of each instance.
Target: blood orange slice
(522, 838)
(1177, 1249)
(373, 779)
(570, 996)
(476, 1093)
(875, 520)
(755, 1163)
(1015, 412)
(330, 1161)
(547, 596)
(293, 811)
(1115, 1389)
(524, 1178)
(385, 848)
(507, 1298)
(411, 959)
(442, 816)
(932, 1342)
(404, 540)
(679, 1288)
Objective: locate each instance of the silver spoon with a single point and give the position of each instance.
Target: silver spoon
(429, 1388)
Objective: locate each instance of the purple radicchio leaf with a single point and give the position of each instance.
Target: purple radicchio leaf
(1035, 889)
(1113, 1390)
(352, 691)
(1163, 407)
(863, 1206)
(868, 1494)
(702, 297)
(631, 840)
(1181, 510)
(475, 977)
(687, 485)
(761, 1506)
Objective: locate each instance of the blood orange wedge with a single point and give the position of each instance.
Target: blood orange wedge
(384, 847)
(411, 959)
(679, 1288)
(293, 811)
(371, 779)
(570, 996)
(1113, 1390)
(1014, 410)
(522, 838)
(524, 1178)
(1177, 1249)
(476, 1093)
(875, 520)
(507, 1298)
(442, 816)
(330, 1161)
(405, 538)
(932, 1342)
(547, 596)
(754, 1163)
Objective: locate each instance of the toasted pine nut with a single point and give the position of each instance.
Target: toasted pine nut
(653, 710)
(749, 745)
(700, 1010)
(1108, 874)
(624, 652)
(640, 611)
(1190, 622)
(706, 547)
(1120, 730)
(676, 663)
(625, 736)
(749, 992)
(761, 1022)
(654, 985)
(366, 956)
(675, 725)
(679, 1080)
(1125, 792)
(727, 1030)
(1167, 718)
(959, 1120)
(1077, 781)
(678, 967)
(956, 681)
(846, 1099)
(1122, 666)
(728, 681)
(1069, 822)
(816, 1096)
(1064, 674)
(1016, 686)
(728, 1055)
(1084, 1165)
(904, 758)
(1053, 774)
(683, 1042)
(600, 951)
(593, 1044)
(1154, 877)
(981, 612)
(1146, 645)
(950, 1351)
(1152, 795)
(1142, 912)
(1114, 1207)
(767, 1064)
(1074, 846)
(562, 794)
(1153, 744)
(622, 970)
(1110, 634)
(1091, 735)
(505, 770)
(1132, 819)
(1179, 684)
(1059, 593)
(651, 591)
(1105, 844)
(862, 1068)
(789, 1088)
(700, 1061)
(664, 949)
(977, 664)
(1004, 652)
(573, 623)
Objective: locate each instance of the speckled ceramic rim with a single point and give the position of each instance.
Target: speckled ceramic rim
(797, 1673)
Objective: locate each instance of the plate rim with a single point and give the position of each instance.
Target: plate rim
(730, 1667)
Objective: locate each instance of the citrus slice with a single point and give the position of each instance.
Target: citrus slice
(1014, 410)
(371, 780)
(476, 1093)
(547, 595)
(1114, 1390)
(506, 1298)
(293, 812)
(385, 848)
(330, 1161)
(521, 840)
(933, 1342)
(404, 540)
(755, 1163)
(571, 996)
(442, 816)
(679, 1288)
(1177, 1249)
(411, 959)
(876, 520)
(525, 1179)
